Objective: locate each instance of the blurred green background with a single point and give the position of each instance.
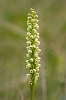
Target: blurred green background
(52, 28)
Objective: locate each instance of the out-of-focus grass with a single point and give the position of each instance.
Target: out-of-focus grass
(52, 22)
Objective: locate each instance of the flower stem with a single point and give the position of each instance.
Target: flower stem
(32, 91)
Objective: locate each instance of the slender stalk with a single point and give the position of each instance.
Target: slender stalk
(32, 92)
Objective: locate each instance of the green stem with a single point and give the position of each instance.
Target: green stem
(32, 91)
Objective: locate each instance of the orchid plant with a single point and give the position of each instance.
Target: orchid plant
(33, 59)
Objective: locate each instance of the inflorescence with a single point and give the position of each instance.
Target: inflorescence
(33, 60)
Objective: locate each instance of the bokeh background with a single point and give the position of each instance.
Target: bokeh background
(52, 28)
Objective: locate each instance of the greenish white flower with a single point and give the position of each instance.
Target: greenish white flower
(30, 82)
(27, 55)
(33, 60)
(31, 71)
(28, 75)
(37, 68)
(28, 65)
(29, 51)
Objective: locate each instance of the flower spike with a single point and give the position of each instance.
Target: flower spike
(33, 60)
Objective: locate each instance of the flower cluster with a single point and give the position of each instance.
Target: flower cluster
(32, 62)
